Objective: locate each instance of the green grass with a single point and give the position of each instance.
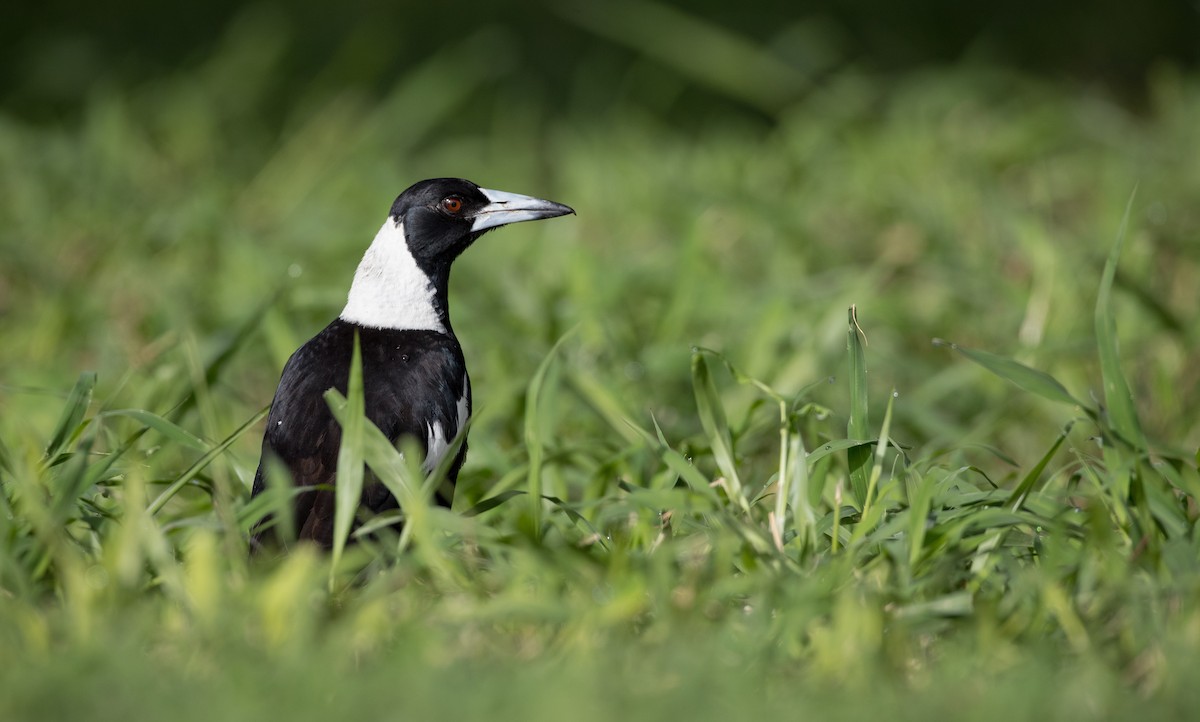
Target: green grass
(706, 501)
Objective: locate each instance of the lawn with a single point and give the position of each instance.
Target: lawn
(697, 486)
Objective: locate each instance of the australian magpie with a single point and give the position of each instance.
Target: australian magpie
(415, 379)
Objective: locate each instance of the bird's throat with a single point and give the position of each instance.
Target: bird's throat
(391, 290)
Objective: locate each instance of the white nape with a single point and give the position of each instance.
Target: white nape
(389, 289)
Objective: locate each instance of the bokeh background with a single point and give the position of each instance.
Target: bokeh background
(579, 58)
(186, 189)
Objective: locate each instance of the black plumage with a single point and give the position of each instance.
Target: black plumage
(415, 380)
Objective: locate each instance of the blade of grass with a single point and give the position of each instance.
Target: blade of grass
(72, 415)
(1017, 499)
(169, 430)
(393, 469)
(857, 457)
(716, 426)
(981, 564)
(804, 517)
(1117, 396)
(348, 489)
(880, 450)
(191, 472)
(534, 413)
(1029, 379)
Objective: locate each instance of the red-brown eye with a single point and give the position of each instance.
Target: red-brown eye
(452, 204)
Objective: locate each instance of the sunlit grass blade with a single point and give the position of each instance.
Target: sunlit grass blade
(348, 494)
(1117, 396)
(72, 416)
(803, 515)
(392, 467)
(858, 427)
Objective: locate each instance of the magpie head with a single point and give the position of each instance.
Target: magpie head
(443, 216)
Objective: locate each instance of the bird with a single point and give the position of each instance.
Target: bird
(414, 375)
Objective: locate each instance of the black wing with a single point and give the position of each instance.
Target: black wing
(415, 384)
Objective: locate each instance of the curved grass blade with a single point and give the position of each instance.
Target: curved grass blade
(171, 431)
(679, 464)
(841, 444)
(1018, 495)
(1117, 396)
(492, 502)
(1029, 379)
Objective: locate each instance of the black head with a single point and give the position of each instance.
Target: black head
(443, 216)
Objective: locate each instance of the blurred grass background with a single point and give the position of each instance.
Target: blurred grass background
(177, 182)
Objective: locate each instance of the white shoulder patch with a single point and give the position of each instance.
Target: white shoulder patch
(435, 436)
(464, 404)
(437, 444)
(389, 289)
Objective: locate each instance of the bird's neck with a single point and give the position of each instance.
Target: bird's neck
(391, 290)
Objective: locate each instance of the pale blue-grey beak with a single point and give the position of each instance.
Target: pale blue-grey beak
(504, 208)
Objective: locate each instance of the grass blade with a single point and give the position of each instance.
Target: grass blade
(857, 457)
(534, 413)
(1029, 379)
(716, 426)
(348, 489)
(72, 415)
(394, 470)
(1117, 396)
(171, 431)
(1022, 490)
(204, 461)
